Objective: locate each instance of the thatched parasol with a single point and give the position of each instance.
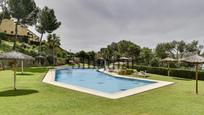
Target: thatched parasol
(125, 58)
(40, 57)
(168, 60)
(100, 58)
(27, 57)
(13, 55)
(195, 59)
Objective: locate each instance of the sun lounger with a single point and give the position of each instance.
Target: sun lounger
(142, 74)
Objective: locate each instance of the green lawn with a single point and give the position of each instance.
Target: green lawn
(36, 98)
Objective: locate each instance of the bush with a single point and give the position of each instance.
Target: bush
(61, 61)
(182, 73)
(126, 72)
(2, 36)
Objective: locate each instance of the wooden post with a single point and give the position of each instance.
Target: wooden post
(14, 80)
(196, 78)
(22, 67)
(123, 64)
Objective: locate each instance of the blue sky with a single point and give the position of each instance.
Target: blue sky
(92, 24)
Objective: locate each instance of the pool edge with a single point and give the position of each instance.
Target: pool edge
(50, 79)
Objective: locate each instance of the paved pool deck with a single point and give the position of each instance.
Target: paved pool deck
(50, 79)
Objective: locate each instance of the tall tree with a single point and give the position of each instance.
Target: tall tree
(91, 55)
(146, 56)
(24, 12)
(194, 47)
(46, 23)
(82, 55)
(177, 49)
(53, 42)
(160, 51)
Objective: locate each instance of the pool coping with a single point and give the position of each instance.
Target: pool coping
(50, 79)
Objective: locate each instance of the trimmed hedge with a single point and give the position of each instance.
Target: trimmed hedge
(182, 73)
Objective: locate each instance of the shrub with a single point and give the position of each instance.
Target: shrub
(182, 73)
(126, 72)
(2, 36)
(61, 61)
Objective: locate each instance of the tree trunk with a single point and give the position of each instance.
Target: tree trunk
(16, 34)
(114, 63)
(39, 49)
(88, 63)
(83, 63)
(132, 63)
(53, 56)
(168, 70)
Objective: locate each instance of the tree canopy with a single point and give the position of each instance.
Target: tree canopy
(144, 56)
(177, 49)
(23, 11)
(47, 21)
(121, 49)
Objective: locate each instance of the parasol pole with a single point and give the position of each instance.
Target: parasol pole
(196, 78)
(14, 74)
(22, 64)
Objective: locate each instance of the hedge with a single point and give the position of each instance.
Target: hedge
(182, 73)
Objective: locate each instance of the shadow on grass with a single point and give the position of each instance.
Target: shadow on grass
(36, 69)
(18, 92)
(184, 79)
(25, 74)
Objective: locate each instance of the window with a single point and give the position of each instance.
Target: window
(11, 32)
(5, 31)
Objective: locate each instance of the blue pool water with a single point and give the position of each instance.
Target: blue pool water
(92, 79)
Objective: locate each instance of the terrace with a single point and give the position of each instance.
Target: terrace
(34, 97)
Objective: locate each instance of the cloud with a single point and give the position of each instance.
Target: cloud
(92, 24)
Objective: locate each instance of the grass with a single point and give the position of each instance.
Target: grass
(36, 98)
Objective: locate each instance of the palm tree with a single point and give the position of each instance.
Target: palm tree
(24, 12)
(53, 42)
(46, 23)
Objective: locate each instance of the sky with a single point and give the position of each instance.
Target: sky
(93, 24)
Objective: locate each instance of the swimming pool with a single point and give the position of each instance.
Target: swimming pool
(100, 83)
(92, 79)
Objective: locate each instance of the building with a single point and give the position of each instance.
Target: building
(24, 34)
